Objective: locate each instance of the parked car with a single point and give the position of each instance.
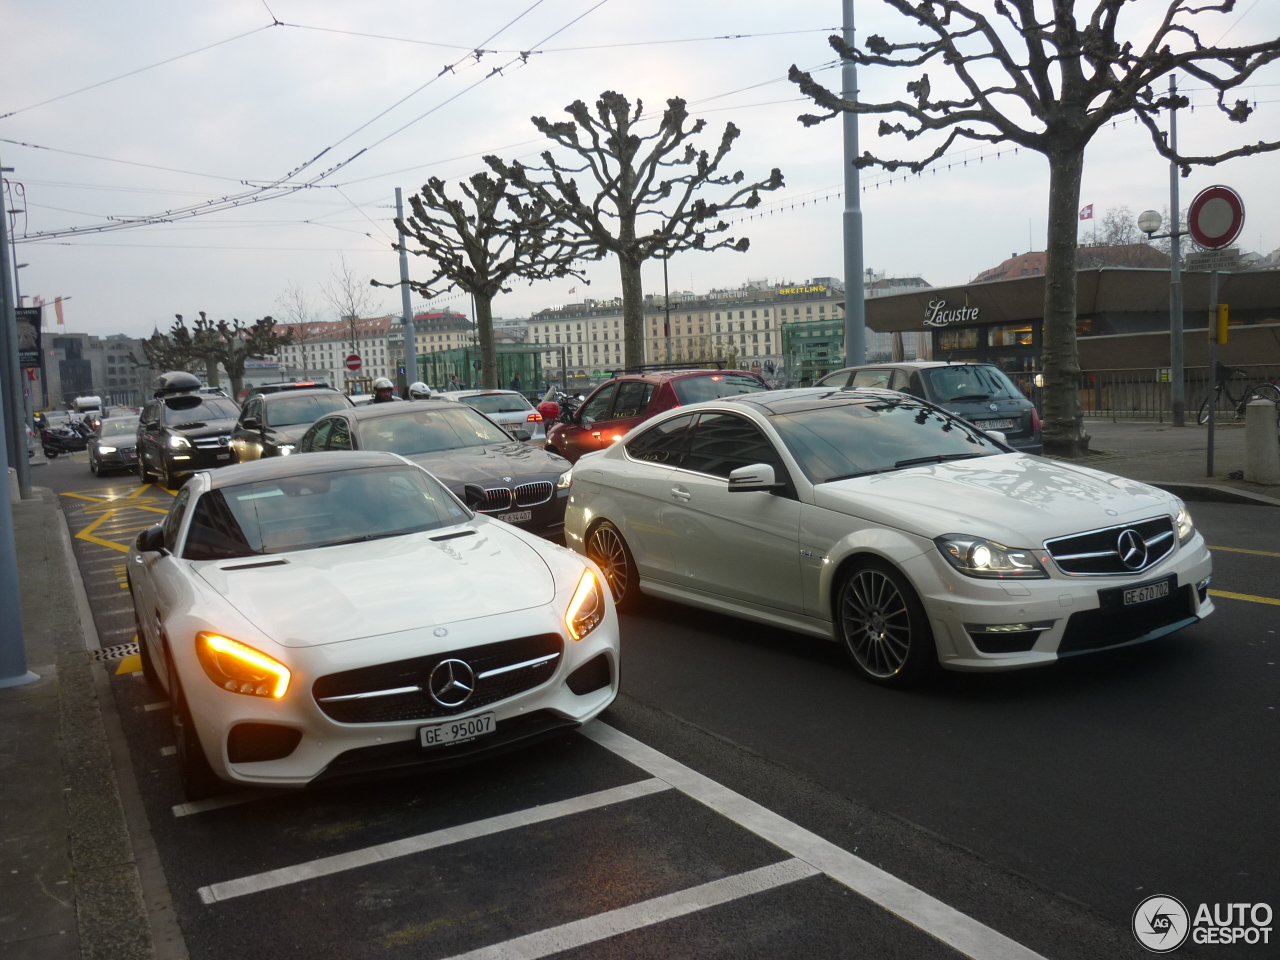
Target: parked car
(891, 526)
(487, 470)
(339, 615)
(615, 407)
(508, 409)
(271, 424)
(979, 392)
(181, 431)
(115, 445)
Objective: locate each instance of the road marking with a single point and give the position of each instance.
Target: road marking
(168, 751)
(1244, 596)
(87, 534)
(970, 937)
(644, 914)
(150, 707)
(130, 664)
(325, 866)
(227, 800)
(1256, 553)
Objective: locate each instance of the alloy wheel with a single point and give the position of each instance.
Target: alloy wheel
(610, 555)
(877, 623)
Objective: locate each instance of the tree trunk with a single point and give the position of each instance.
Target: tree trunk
(1063, 425)
(632, 313)
(488, 352)
(211, 371)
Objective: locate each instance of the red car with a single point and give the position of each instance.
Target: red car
(620, 404)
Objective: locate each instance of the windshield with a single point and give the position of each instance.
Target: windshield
(429, 431)
(851, 439)
(118, 427)
(318, 510)
(697, 389)
(195, 411)
(291, 411)
(498, 403)
(970, 382)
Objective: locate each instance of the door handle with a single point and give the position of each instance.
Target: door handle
(681, 494)
(595, 435)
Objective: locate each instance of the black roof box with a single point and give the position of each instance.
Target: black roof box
(175, 382)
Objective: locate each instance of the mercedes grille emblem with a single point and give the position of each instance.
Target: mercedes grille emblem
(223, 441)
(1132, 549)
(451, 683)
(994, 407)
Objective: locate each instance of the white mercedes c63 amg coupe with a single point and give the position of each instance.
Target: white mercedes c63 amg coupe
(343, 614)
(885, 523)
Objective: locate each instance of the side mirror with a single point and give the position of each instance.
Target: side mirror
(251, 423)
(151, 540)
(522, 435)
(998, 436)
(758, 476)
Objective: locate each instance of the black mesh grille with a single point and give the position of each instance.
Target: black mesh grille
(418, 704)
(1113, 624)
(532, 494)
(496, 499)
(1097, 552)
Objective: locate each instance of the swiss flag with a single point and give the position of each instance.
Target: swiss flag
(1087, 213)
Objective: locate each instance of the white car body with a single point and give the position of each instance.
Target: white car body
(416, 597)
(527, 418)
(779, 559)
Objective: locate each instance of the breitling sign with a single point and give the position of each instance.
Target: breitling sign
(783, 291)
(937, 314)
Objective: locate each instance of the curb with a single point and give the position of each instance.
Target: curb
(1214, 493)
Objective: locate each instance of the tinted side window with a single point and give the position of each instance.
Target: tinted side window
(316, 436)
(633, 398)
(837, 379)
(915, 386)
(339, 435)
(151, 413)
(721, 443)
(661, 444)
(252, 409)
(597, 408)
(173, 522)
(871, 378)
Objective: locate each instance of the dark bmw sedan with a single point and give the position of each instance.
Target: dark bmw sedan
(978, 392)
(470, 454)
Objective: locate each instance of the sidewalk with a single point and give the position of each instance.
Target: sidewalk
(69, 884)
(1162, 454)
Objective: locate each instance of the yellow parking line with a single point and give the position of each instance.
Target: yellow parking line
(131, 664)
(145, 486)
(87, 534)
(82, 496)
(1256, 553)
(1244, 596)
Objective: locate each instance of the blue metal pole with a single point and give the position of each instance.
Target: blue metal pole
(855, 314)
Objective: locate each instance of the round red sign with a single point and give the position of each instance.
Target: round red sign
(1216, 217)
(353, 362)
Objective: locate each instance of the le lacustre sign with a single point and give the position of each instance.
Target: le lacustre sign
(936, 314)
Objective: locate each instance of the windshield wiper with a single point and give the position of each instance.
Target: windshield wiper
(936, 458)
(850, 476)
(370, 536)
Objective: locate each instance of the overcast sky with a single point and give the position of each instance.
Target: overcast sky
(259, 106)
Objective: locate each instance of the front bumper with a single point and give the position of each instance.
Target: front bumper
(330, 750)
(959, 607)
(184, 463)
(545, 520)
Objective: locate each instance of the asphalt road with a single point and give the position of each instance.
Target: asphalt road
(1043, 805)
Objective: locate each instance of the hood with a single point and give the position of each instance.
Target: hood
(1014, 499)
(491, 465)
(363, 590)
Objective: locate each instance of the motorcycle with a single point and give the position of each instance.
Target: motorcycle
(557, 405)
(65, 439)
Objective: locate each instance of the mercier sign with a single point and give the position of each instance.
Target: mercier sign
(937, 315)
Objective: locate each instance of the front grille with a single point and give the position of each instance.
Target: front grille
(532, 494)
(1097, 552)
(496, 500)
(1108, 626)
(409, 678)
(211, 443)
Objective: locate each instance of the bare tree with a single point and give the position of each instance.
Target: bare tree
(643, 198)
(351, 299)
(1046, 82)
(234, 343)
(480, 243)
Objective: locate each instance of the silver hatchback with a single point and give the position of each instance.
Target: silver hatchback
(507, 408)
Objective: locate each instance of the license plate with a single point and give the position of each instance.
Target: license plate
(997, 424)
(224, 456)
(517, 516)
(1147, 593)
(456, 731)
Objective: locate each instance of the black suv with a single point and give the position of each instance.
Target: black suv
(272, 424)
(182, 431)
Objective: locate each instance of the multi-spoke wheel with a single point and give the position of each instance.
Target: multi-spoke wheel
(199, 782)
(883, 625)
(606, 547)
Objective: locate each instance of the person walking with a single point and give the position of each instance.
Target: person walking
(453, 383)
(515, 383)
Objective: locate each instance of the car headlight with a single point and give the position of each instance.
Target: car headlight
(1183, 525)
(177, 442)
(284, 449)
(103, 448)
(566, 478)
(586, 609)
(241, 669)
(986, 559)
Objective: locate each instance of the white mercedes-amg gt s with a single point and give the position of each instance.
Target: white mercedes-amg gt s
(343, 614)
(889, 525)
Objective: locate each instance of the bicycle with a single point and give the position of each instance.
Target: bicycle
(1253, 390)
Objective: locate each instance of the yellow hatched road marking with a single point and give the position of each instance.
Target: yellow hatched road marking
(1244, 596)
(141, 488)
(87, 534)
(1256, 553)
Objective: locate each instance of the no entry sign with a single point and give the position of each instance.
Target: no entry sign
(353, 362)
(1216, 217)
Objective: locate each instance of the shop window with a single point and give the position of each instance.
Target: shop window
(1010, 335)
(966, 338)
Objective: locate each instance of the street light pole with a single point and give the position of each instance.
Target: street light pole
(855, 328)
(410, 331)
(666, 303)
(14, 429)
(1177, 372)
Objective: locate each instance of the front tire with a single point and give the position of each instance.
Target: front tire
(199, 782)
(607, 548)
(883, 625)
